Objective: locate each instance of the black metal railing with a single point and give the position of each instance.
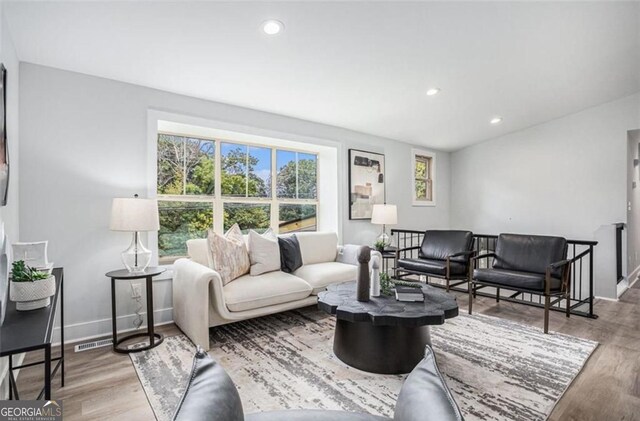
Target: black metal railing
(619, 274)
(580, 252)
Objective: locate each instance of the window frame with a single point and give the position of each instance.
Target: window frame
(218, 200)
(418, 154)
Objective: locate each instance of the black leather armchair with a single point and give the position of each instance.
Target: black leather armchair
(210, 395)
(442, 254)
(531, 264)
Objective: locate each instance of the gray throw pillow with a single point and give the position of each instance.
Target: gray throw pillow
(290, 255)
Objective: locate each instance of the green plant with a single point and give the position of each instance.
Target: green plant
(410, 284)
(386, 284)
(380, 245)
(23, 273)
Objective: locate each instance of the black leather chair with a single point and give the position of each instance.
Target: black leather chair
(442, 254)
(531, 264)
(210, 395)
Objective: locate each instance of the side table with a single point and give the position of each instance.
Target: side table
(155, 339)
(389, 253)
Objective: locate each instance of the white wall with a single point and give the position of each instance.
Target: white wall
(9, 214)
(633, 205)
(84, 141)
(564, 177)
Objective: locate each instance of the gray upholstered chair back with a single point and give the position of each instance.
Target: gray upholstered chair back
(437, 245)
(425, 396)
(529, 253)
(210, 393)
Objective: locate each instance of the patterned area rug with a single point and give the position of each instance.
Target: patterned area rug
(497, 369)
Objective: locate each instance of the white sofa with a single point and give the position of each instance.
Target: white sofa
(200, 300)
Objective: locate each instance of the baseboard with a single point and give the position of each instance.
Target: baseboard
(79, 332)
(606, 298)
(632, 277)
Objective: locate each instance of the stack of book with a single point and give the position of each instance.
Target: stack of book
(409, 294)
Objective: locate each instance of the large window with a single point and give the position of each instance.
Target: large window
(423, 178)
(206, 183)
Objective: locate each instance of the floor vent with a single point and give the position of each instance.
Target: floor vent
(92, 345)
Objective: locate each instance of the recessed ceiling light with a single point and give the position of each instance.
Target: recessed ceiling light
(433, 91)
(496, 120)
(272, 27)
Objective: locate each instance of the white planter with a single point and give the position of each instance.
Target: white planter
(32, 295)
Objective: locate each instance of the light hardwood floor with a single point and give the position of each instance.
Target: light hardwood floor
(102, 385)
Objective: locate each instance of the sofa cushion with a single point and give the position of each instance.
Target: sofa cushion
(516, 279)
(290, 256)
(229, 254)
(318, 247)
(209, 394)
(319, 275)
(436, 267)
(198, 251)
(264, 252)
(529, 253)
(438, 245)
(251, 292)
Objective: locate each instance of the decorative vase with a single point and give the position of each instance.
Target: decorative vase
(375, 277)
(363, 282)
(32, 295)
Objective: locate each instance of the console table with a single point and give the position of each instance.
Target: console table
(155, 339)
(383, 335)
(24, 331)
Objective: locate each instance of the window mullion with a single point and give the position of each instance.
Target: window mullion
(275, 206)
(184, 166)
(297, 170)
(218, 207)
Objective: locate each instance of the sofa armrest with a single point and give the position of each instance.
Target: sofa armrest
(483, 256)
(462, 253)
(349, 254)
(425, 396)
(565, 265)
(191, 299)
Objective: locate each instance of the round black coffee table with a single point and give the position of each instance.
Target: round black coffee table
(384, 335)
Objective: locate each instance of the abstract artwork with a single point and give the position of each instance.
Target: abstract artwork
(366, 183)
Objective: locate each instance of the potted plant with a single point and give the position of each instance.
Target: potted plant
(380, 245)
(30, 288)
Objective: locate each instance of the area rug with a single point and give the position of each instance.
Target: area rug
(497, 369)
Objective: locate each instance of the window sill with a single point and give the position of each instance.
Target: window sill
(423, 204)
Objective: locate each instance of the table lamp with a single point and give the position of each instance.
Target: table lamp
(384, 215)
(135, 215)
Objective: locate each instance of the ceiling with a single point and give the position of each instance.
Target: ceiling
(361, 66)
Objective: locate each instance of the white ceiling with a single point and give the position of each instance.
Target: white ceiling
(362, 66)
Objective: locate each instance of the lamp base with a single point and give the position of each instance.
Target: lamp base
(384, 238)
(136, 257)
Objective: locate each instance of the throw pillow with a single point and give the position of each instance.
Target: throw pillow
(290, 255)
(229, 254)
(264, 252)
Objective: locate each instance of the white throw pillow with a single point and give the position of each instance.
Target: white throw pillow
(264, 252)
(229, 254)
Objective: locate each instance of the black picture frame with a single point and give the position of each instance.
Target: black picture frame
(368, 167)
(4, 149)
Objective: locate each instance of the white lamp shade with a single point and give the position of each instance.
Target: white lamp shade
(134, 214)
(384, 215)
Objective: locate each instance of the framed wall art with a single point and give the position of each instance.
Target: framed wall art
(366, 183)
(4, 152)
